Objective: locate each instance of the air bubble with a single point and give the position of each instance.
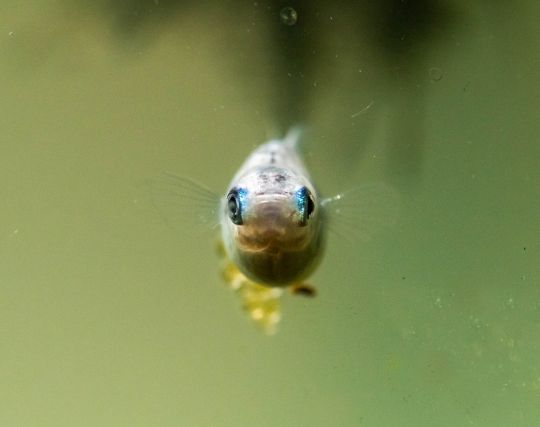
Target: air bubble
(288, 16)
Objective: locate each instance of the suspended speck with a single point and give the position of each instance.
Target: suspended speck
(435, 74)
(288, 16)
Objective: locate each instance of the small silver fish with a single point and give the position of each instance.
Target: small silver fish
(271, 218)
(273, 223)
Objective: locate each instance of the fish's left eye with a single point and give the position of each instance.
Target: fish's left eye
(234, 207)
(304, 204)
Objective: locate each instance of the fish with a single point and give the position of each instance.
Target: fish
(271, 218)
(272, 221)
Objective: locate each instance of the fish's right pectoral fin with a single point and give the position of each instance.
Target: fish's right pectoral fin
(183, 203)
(303, 289)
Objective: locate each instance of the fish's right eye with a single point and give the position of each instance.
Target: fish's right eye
(234, 207)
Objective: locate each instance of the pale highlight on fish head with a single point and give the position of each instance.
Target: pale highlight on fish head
(271, 225)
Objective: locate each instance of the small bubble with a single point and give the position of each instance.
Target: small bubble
(476, 322)
(288, 16)
(435, 74)
(408, 333)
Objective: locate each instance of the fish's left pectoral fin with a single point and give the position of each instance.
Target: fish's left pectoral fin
(303, 289)
(360, 213)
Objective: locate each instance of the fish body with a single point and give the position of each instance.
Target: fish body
(273, 223)
(271, 217)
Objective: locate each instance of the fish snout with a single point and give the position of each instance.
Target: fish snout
(271, 224)
(278, 215)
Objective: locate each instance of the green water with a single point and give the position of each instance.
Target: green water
(109, 318)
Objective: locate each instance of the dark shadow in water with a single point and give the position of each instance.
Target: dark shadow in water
(412, 29)
(404, 33)
(401, 32)
(295, 49)
(127, 16)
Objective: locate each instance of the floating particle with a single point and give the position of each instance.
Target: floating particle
(435, 74)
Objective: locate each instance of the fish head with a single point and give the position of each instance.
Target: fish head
(271, 209)
(271, 224)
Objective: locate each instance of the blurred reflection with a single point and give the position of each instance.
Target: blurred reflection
(405, 32)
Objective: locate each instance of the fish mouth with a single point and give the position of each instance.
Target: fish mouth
(272, 225)
(269, 239)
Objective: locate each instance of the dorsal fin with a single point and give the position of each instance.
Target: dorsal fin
(293, 136)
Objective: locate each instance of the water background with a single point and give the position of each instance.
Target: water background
(109, 318)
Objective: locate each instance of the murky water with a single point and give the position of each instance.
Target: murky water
(109, 318)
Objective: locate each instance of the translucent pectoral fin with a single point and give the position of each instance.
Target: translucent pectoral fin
(183, 203)
(359, 213)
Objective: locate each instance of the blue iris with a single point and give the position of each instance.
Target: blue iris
(301, 198)
(242, 199)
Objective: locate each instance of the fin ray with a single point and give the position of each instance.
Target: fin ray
(184, 204)
(363, 211)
